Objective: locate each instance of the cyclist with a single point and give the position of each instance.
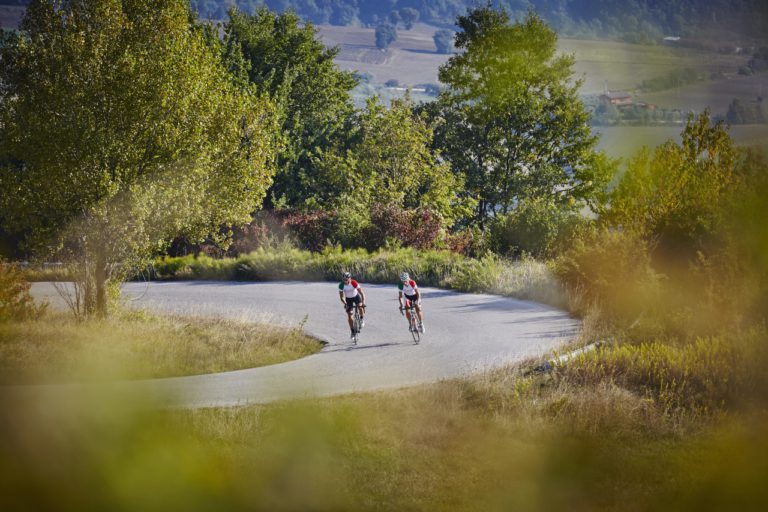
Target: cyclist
(351, 293)
(408, 288)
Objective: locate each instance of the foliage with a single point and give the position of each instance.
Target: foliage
(16, 303)
(511, 119)
(525, 279)
(677, 196)
(121, 130)
(752, 112)
(537, 227)
(418, 228)
(636, 21)
(388, 162)
(286, 60)
(678, 254)
(443, 39)
(611, 272)
(385, 35)
(409, 16)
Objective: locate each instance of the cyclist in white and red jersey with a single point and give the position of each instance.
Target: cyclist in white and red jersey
(410, 290)
(351, 293)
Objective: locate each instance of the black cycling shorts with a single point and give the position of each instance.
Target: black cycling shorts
(412, 299)
(351, 301)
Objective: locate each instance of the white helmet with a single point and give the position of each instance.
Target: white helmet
(404, 276)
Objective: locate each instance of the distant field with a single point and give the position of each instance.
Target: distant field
(625, 141)
(714, 94)
(412, 58)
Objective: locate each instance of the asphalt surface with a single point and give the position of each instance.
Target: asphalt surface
(465, 333)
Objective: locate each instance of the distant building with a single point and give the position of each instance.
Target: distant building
(617, 98)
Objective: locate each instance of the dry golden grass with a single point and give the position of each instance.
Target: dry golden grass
(59, 348)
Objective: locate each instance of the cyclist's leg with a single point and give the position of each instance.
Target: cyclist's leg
(349, 315)
(407, 306)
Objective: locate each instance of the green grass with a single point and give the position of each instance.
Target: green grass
(57, 348)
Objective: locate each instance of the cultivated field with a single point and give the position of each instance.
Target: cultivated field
(412, 58)
(625, 141)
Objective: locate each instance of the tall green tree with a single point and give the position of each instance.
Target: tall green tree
(119, 130)
(286, 60)
(512, 119)
(389, 162)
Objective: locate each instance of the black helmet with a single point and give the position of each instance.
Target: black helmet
(346, 275)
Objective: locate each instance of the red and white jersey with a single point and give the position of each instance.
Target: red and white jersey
(349, 289)
(408, 287)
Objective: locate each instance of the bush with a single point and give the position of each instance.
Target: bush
(537, 227)
(16, 303)
(418, 228)
(612, 271)
(313, 229)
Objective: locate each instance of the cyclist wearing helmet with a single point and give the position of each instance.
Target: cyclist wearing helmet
(408, 288)
(351, 293)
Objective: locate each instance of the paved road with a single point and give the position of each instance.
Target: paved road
(465, 333)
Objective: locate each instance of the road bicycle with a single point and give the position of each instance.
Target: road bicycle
(413, 321)
(357, 322)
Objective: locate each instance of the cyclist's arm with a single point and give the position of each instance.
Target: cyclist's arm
(362, 295)
(341, 297)
(400, 298)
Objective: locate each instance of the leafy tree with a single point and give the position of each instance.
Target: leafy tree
(385, 35)
(389, 162)
(119, 129)
(409, 17)
(394, 18)
(287, 61)
(512, 119)
(443, 41)
(676, 196)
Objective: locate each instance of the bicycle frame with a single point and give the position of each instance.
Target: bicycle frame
(413, 324)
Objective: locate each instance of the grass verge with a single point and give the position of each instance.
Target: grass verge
(525, 279)
(495, 442)
(58, 348)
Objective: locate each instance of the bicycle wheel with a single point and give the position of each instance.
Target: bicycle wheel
(356, 321)
(415, 327)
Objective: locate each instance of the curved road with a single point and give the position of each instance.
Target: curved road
(465, 333)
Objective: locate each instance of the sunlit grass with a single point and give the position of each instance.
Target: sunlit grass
(554, 446)
(58, 348)
(526, 279)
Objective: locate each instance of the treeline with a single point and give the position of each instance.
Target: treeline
(631, 20)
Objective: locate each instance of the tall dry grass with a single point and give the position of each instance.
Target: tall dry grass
(58, 348)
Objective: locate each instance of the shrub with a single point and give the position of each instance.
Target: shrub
(419, 228)
(313, 229)
(612, 271)
(16, 303)
(533, 227)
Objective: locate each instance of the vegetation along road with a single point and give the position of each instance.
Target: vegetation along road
(464, 334)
